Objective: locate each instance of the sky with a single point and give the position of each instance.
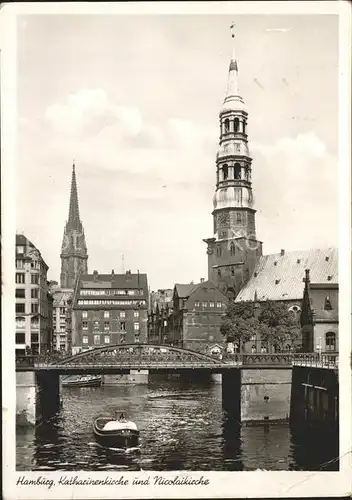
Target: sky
(135, 100)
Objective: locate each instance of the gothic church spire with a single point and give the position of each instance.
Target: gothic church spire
(73, 215)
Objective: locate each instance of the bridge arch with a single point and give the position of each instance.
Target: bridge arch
(137, 351)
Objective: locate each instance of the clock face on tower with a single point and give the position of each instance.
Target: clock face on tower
(223, 219)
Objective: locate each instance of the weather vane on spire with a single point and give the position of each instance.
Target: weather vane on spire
(232, 28)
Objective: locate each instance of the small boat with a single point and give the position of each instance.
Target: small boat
(84, 381)
(116, 433)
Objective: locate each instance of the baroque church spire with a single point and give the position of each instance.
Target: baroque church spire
(234, 249)
(74, 254)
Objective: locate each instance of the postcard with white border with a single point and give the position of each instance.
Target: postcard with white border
(176, 249)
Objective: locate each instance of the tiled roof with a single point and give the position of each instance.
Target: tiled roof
(124, 281)
(22, 240)
(184, 290)
(280, 277)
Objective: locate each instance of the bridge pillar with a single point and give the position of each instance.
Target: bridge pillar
(231, 392)
(314, 396)
(265, 394)
(48, 394)
(26, 398)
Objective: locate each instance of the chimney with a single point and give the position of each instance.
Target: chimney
(202, 280)
(95, 275)
(282, 252)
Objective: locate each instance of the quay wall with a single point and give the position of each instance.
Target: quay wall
(26, 394)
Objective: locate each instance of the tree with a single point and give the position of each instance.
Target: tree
(240, 322)
(278, 326)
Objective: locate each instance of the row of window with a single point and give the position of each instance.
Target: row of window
(234, 125)
(111, 291)
(20, 264)
(106, 340)
(20, 278)
(21, 338)
(208, 304)
(107, 314)
(112, 302)
(122, 325)
(21, 293)
(21, 308)
(21, 321)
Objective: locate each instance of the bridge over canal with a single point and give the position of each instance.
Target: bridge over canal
(254, 386)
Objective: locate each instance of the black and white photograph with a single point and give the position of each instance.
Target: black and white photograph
(178, 251)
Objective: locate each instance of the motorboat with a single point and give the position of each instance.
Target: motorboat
(83, 381)
(119, 433)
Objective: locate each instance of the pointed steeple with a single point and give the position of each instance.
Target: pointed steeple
(233, 101)
(306, 318)
(73, 215)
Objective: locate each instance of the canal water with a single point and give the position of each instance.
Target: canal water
(182, 427)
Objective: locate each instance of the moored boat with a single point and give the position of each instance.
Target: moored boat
(116, 433)
(84, 381)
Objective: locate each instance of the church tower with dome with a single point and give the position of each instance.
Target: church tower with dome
(234, 250)
(74, 257)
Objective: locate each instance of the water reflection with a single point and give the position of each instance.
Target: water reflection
(183, 427)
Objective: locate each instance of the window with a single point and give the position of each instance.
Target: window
(20, 293)
(107, 339)
(19, 264)
(34, 337)
(96, 339)
(19, 277)
(232, 249)
(20, 308)
(219, 272)
(20, 322)
(84, 325)
(197, 304)
(327, 304)
(238, 217)
(84, 314)
(96, 324)
(236, 124)
(106, 314)
(253, 337)
(106, 325)
(122, 339)
(34, 293)
(204, 304)
(225, 172)
(20, 249)
(123, 326)
(237, 171)
(85, 339)
(136, 338)
(122, 314)
(34, 308)
(62, 310)
(20, 338)
(34, 323)
(330, 341)
(227, 125)
(211, 304)
(136, 314)
(136, 326)
(254, 348)
(219, 304)
(232, 271)
(34, 279)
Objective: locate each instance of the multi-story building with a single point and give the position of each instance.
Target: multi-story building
(160, 325)
(109, 309)
(197, 314)
(34, 329)
(62, 302)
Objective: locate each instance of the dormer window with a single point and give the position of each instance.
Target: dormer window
(277, 282)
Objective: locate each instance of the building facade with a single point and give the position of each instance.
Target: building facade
(197, 315)
(234, 249)
(62, 303)
(74, 256)
(33, 303)
(109, 309)
(160, 324)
